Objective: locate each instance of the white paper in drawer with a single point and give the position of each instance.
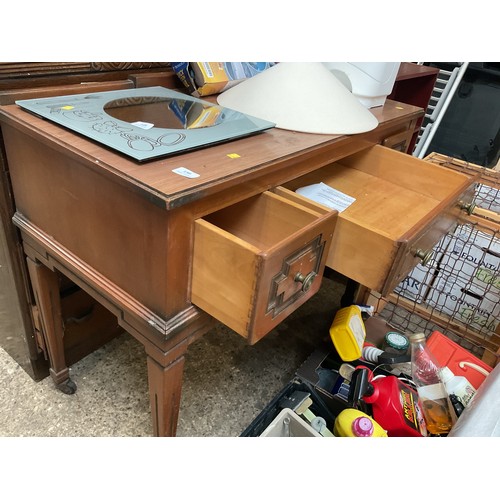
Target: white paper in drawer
(326, 195)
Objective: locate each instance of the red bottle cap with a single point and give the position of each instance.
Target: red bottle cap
(362, 427)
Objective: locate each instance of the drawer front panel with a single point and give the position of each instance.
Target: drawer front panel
(289, 276)
(420, 249)
(296, 276)
(250, 281)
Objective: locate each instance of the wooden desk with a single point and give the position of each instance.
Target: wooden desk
(125, 233)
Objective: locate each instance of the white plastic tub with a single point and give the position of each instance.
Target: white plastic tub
(289, 424)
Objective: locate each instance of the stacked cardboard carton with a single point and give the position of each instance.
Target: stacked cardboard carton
(462, 280)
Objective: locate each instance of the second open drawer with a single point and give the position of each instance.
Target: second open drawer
(403, 205)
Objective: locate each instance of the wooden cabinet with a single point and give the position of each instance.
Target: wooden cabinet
(414, 85)
(166, 254)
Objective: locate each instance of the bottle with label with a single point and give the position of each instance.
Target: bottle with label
(348, 333)
(394, 405)
(457, 385)
(436, 406)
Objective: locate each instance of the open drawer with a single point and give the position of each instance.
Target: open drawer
(403, 206)
(256, 261)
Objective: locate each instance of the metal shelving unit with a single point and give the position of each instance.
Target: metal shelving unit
(446, 84)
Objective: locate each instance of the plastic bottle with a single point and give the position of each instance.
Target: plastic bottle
(348, 332)
(457, 385)
(394, 405)
(433, 398)
(354, 423)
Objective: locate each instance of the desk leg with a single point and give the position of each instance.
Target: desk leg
(165, 365)
(165, 341)
(165, 385)
(46, 289)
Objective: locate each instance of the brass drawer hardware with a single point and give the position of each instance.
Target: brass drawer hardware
(425, 256)
(468, 207)
(306, 280)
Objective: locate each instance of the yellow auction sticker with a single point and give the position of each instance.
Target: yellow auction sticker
(234, 155)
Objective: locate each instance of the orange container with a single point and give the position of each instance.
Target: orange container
(460, 361)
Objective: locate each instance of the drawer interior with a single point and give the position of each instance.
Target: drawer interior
(380, 204)
(394, 192)
(264, 220)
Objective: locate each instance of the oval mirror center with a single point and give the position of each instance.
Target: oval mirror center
(163, 112)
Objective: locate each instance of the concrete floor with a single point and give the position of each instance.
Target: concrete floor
(227, 383)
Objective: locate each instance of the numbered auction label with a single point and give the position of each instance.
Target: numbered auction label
(185, 172)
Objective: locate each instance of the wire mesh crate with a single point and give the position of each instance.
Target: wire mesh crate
(458, 291)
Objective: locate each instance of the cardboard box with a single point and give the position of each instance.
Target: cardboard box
(207, 78)
(473, 255)
(469, 279)
(468, 284)
(467, 303)
(320, 373)
(488, 197)
(416, 285)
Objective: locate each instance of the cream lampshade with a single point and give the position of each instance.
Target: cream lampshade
(304, 97)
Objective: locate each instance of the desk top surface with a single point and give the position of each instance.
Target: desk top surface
(202, 171)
